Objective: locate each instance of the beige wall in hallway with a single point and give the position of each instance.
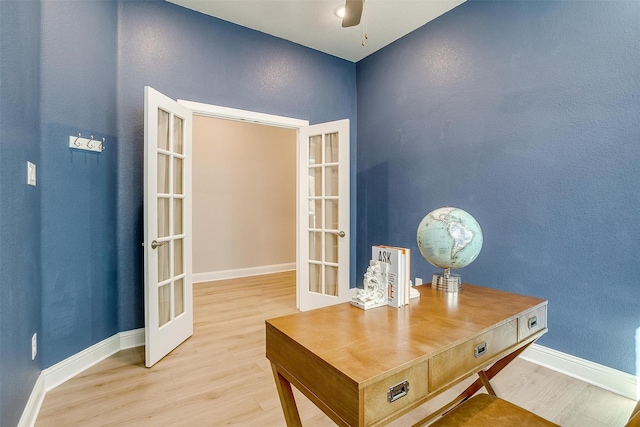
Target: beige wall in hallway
(244, 195)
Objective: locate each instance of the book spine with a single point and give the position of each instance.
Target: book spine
(407, 289)
(395, 281)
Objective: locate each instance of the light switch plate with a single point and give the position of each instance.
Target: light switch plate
(31, 174)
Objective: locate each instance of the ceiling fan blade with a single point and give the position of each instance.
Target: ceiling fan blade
(352, 13)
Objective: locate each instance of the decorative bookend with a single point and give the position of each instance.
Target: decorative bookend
(374, 292)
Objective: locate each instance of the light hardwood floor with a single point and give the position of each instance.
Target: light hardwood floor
(220, 376)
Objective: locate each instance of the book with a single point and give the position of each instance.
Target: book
(405, 266)
(396, 260)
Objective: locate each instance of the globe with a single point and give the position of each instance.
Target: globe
(449, 238)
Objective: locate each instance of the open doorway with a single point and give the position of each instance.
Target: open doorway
(323, 176)
(244, 198)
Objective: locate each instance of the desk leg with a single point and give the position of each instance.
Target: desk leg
(287, 400)
(486, 383)
(486, 376)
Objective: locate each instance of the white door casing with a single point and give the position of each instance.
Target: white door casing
(167, 225)
(306, 299)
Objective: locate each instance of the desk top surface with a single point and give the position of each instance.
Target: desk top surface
(364, 343)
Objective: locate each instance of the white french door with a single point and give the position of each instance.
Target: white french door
(323, 215)
(168, 290)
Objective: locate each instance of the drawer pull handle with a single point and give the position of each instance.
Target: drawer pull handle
(397, 391)
(480, 349)
(533, 322)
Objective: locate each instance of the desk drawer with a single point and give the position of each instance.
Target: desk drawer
(532, 322)
(377, 396)
(471, 356)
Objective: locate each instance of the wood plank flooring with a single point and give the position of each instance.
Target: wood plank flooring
(220, 376)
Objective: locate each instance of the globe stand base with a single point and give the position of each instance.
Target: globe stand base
(446, 282)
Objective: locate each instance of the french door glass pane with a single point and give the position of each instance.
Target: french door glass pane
(163, 174)
(163, 130)
(315, 150)
(164, 304)
(315, 246)
(315, 278)
(331, 148)
(177, 176)
(178, 260)
(163, 217)
(331, 186)
(315, 182)
(331, 214)
(331, 248)
(178, 292)
(163, 262)
(315, 213)
(331, 280)
(177, 216)
(177, 135)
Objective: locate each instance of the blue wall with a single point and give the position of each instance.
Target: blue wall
(20, 288)
(524, 114)
(187, 55)
(79, 188)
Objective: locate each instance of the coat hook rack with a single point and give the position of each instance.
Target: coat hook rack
(88, 144)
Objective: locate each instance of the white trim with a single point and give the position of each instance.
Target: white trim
(131, 339)
(72, 366)
(618, 382)
(209, 110)
(242, 272)
(31, 410)
(62, 371)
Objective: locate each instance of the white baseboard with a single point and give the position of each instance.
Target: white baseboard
(242, 272)
(131, 339)
(31, 410)
(618, 382)
(62, 371)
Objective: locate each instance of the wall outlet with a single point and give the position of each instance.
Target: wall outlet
(31, 174)
(34, 346)
(418, 281)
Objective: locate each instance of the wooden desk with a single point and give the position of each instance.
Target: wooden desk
(353, 363)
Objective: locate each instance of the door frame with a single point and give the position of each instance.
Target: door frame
(216, 111)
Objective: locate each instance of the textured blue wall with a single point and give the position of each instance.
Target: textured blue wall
(19, 204)
(79, 188)
(187, 55)
(525, 114)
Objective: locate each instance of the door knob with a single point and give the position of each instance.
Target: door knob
(155, 244)
(340, 233)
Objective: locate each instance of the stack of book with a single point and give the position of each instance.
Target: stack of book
(399, 274)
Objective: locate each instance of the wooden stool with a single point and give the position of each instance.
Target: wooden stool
(490, 411)
(634, 420)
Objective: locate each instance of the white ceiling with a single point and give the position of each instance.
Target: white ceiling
(313, 23)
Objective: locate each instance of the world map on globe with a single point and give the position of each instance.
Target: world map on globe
(449, 238)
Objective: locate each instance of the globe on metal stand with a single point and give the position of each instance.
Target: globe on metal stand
(449, 238)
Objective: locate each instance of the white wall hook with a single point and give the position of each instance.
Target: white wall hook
(88, 144)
